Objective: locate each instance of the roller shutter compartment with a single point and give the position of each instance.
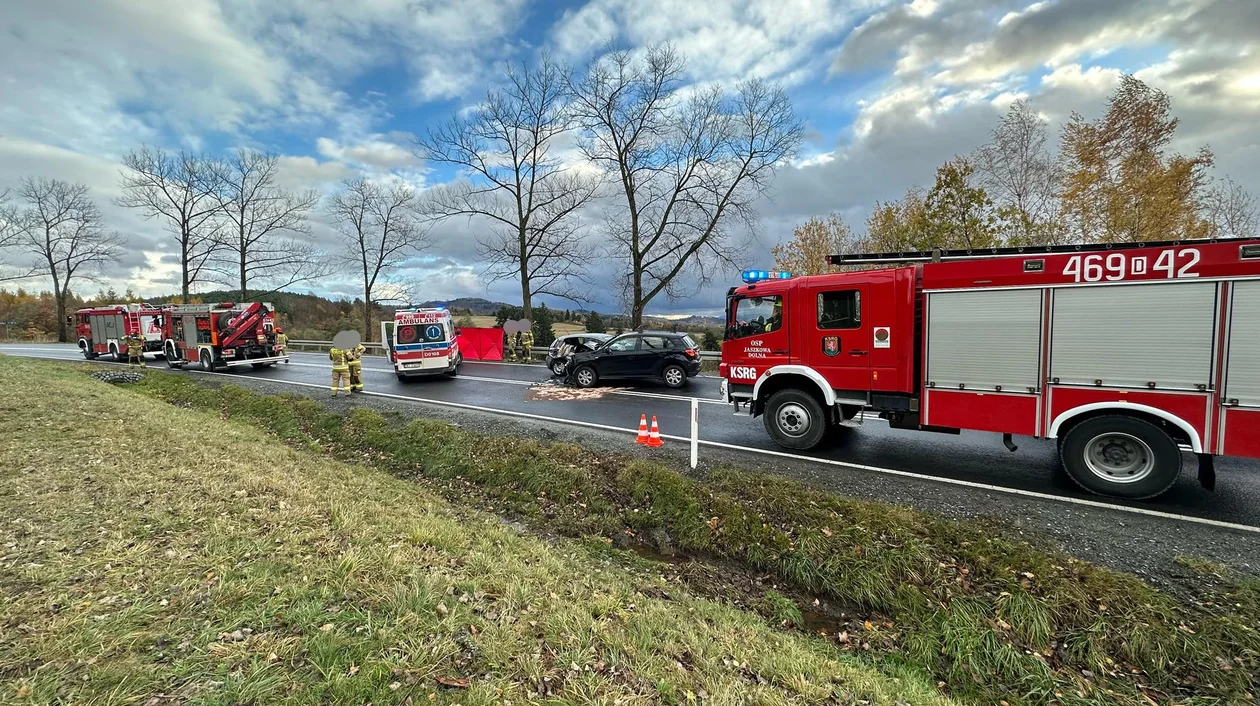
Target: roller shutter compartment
(985, 339)
(1134, 335)
(1242, 370)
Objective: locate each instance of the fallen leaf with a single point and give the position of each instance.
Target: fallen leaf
(395, 685)
(867, 625)
(326, 627)
(24, 691)
(713, 523)
(454, 682)
(826, 531)
(353, 670)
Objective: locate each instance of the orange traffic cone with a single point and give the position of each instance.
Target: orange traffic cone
(654, 439)
(642, 438)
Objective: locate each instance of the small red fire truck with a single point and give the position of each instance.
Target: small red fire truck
(1126, 354)
(103, 330)
(221, 335)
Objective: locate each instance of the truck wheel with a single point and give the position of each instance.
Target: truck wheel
(207, 363)
(259, 366)
(1121, 456)
(674, 376)
(88, 353)
(795, 420)
(586, 376)
(118, 355)
(172, 357)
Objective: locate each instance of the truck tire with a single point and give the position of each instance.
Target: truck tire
(119, 356)
(172, 357)
(1120, 456)
(795, 420)
(88, 353)
(586, 376)
(207, 363)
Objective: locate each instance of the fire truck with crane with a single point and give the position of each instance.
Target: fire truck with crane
(217, 336)
(104, 330)
(1126, 354)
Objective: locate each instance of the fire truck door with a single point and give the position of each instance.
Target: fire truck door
(837, 336)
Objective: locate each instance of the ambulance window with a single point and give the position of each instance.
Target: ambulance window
(840, 310)
(432, 333)
(757, 315)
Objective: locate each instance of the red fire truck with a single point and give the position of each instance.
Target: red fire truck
(1126, 354)
(103, 330)
(221, 335)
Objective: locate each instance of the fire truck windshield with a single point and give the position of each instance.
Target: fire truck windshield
(750, 316)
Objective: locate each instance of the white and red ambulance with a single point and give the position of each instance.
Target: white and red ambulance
(422, 342)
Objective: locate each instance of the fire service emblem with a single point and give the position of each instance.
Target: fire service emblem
(831, 345)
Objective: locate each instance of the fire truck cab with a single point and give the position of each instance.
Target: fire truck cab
(222, 335)
(103, 330)
(1126, 354)
(422, 342)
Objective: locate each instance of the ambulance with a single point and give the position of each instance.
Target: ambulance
(422, 342)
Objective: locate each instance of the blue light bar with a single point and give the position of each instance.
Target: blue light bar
(754, 276)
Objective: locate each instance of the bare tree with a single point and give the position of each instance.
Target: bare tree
(1231, 210)
(684, 168)
(262, 229)
(63, 227)
(1019, 173)
(180, 189)
(518, 183)
(11, 236)
(378, 224)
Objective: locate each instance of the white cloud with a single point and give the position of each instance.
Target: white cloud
(721, 41)
(375, 151)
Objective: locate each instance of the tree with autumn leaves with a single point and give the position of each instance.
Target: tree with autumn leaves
(1115, 179)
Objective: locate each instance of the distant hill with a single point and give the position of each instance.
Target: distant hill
(475, 305)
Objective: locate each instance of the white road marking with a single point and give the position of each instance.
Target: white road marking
(783, 454)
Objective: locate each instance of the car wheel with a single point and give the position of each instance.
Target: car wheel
(586, 376)
(207, 363)
(557, 367)
(1121, 456)
(795, 420)
(402, 378)
(674, 376)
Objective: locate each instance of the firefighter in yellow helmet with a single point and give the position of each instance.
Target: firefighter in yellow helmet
(340, 371)
(354, 358)
(527, 344)
(135, 350)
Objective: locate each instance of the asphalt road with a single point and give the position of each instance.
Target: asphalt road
(973, 457)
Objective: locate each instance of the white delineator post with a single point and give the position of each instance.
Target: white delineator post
(695, 431)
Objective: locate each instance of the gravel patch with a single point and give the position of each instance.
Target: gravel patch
(1145, 546)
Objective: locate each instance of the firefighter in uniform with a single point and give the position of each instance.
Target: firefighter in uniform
(527, 344)
(135, 350)
(340, 371)
(776, 317)
(282, 342)
(354, 358)
(512, 343)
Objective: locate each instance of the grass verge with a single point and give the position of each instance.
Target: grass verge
(157, 555)
(990, 618)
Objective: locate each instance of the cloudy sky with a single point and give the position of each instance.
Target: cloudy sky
(888, 90)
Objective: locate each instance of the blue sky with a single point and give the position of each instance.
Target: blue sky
(888, 90)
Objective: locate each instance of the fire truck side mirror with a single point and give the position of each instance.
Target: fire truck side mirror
(70, 319)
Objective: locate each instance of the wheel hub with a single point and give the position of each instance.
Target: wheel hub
(793, 419)
(1119, 458)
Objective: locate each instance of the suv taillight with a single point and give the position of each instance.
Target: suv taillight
(691, 352)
